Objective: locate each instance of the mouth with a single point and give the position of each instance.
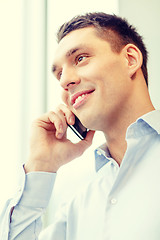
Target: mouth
(79, 98)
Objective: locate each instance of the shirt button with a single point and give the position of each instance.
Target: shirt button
(99, 153)
(113, 201)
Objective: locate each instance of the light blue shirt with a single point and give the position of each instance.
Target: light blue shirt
(121, 203)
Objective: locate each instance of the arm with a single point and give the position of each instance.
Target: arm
(25, 221)
(49, 150)
(21, 218)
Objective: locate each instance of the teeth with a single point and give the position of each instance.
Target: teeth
(79, 98)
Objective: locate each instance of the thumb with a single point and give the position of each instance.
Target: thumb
(85, 143)
(89, 138)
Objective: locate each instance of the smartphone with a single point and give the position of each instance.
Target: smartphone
(79, 129)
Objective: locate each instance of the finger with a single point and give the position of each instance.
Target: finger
(60, 114)
(85, 143)
(56, 120)
(59, 124)
(66, 116)
(69, 115)
(89, 137)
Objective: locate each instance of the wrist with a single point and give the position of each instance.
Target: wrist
(33, 165)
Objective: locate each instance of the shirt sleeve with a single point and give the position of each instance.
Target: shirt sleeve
(21, 217)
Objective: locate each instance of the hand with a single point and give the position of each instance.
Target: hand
(49, 146)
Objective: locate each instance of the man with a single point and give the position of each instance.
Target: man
(101, 65)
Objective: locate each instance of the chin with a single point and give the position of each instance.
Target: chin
(90, 118)
(90, 124)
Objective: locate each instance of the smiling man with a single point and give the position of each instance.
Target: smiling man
(101, 65)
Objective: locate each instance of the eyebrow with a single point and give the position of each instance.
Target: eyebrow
(68, 54)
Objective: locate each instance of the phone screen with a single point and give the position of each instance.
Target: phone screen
(79, 129)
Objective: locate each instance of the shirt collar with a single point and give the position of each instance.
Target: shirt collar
(153, 120)
(146, 124)
(102, 156)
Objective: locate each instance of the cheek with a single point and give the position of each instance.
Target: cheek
(96, 71)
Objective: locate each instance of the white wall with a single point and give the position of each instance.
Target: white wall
(145, 15)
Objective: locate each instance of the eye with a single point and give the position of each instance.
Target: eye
(80, 58)
(59, 75)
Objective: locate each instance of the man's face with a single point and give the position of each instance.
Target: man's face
(94, 79)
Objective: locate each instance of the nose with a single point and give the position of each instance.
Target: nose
(69, 78)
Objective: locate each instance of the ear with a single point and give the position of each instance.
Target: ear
(134, 59)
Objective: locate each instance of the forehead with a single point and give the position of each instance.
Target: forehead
(84, 38)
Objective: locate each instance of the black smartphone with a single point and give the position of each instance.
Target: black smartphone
(79, 129)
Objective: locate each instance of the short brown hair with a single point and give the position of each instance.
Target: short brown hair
(114, 29)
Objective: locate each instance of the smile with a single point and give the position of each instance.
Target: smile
(79, 98)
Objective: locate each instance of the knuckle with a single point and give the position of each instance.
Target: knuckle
(36, 121)
(53, 116)
(59, 110)
(60, 107)
(63, 108)
(51, 113)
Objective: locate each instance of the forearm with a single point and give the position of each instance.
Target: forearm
(24, 222)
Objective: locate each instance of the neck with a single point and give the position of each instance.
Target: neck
(115, 133)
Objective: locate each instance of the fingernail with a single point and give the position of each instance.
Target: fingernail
(71, 120)
(61, 128)
(59, 135)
